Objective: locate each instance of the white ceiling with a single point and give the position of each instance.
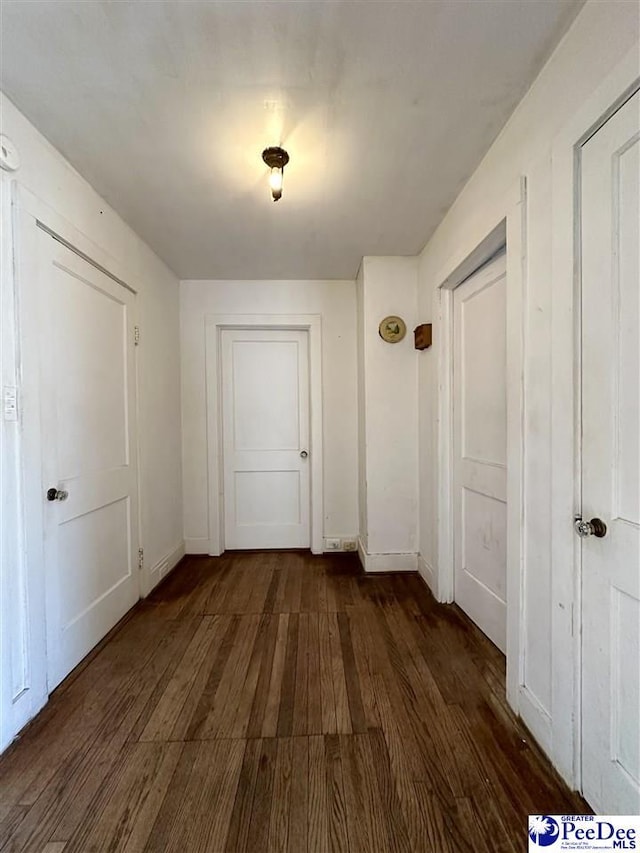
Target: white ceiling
(386, 108)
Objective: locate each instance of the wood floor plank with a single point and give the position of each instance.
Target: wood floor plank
(167, 710)
(287, 696)
(422, 700)
(174, 803)
(64, 804)
(211, 572)
(354, 789)
(352, 680)
(331, 591)
(300, 723)
(127, 806)
(281, 799)
(365, 665)
(440, 829)
(12, 818)
(280, 701)
(372, 813)
(395, 722)
(261, 694)
(238, 836)
(343, 716)
(336, 805)
(321, 588)
(151, 682)
(328, 702)
(239, 725)
(314, 686)
(219, 720)
(318, 804)
(239, 589)
(378, 761)
(272, 709)
(309, 601)
(260, 820)
(196, 723)
(262, 573)
(293, 592)
(270, 597)
(217, 802)
(280, 603)
(298, 820)
(93, 710)
(197, 815)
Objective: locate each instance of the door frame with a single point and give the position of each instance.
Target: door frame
(566, 449)
(508, 231)
(30, 683)
(214, 325)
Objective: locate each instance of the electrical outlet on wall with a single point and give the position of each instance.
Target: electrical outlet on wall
(332, 545)
(349, 545)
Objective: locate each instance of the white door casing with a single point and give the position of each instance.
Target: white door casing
(480, 448)
(88, 422)
(266, 438)
(610, 232)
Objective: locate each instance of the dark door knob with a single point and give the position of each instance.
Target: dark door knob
(596, 527)
(599, 528)
(57, 494)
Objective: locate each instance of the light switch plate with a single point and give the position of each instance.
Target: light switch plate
(10, 402)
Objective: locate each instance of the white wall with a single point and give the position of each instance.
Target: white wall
(599, 40)
(335, 302)
(388, 413)
(61, 195)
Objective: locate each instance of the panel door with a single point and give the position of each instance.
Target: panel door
(480, 444)
(265, 403)
(89, 453)
(611, 463)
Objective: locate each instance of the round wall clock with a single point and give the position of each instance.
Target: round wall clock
(392, 329)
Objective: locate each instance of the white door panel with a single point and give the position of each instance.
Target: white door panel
(265, 403)
(89, 430)
(480, 474)
(611, 463)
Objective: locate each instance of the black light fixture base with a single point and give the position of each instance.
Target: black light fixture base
(275, 157)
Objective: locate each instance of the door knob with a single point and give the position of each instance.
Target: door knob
(596, 527)
(57, 494)
(303, 454)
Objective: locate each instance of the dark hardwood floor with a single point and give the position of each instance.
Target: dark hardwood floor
(279, 701)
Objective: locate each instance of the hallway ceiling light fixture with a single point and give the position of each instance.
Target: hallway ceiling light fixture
(276, 159)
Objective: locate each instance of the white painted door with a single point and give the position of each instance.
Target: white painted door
(480, 445)
(265, 404)
(89, 452)
(611, 463)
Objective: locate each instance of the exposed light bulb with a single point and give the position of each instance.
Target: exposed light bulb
(275, 182)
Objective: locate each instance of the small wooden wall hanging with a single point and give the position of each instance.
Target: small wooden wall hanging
(423, 336)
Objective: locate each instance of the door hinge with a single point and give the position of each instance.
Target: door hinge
(136, 335)
(140, 558)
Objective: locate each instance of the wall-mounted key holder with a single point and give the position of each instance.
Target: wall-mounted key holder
(423, 336)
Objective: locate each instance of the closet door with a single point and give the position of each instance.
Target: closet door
(480, 448)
